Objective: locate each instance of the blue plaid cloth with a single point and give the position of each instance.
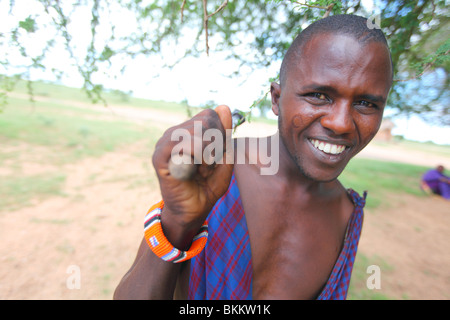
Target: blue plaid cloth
(223, 270)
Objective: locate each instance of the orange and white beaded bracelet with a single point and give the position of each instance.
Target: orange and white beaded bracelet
(159, 244)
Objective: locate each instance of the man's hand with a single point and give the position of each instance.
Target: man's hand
(188, 202)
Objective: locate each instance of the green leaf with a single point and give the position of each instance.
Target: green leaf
(444, 47)
(28, 24)
(106, 54)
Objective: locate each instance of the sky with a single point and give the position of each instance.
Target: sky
(195, 80)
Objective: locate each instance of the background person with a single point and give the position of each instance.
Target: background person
(437, 182)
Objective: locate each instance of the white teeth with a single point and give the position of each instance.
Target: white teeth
(316, 143)
(333, 149)
(328, 147)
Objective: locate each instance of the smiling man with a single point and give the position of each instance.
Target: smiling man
(292, 234)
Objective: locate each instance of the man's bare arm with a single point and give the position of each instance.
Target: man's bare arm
(186, 206)
(148, 278)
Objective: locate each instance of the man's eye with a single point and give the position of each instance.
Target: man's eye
(367, 104)
(317, 95)
(367, 107)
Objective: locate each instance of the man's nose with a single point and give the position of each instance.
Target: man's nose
(339, 119)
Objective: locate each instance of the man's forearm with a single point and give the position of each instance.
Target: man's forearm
(148, 278)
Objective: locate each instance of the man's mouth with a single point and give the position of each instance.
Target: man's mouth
(326, 147)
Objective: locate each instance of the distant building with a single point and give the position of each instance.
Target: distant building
(385, 132)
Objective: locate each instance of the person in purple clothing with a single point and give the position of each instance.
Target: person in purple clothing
(291, 234)
(437, 182)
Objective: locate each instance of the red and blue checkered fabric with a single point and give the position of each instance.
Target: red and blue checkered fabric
(339, 280)
(223, 270)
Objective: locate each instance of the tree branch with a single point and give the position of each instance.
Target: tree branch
(206, 17)
(311, 6)
(434, 9)
(182, 9)
(223, 5)
(205, 25)
(427, 66)
(328, 8)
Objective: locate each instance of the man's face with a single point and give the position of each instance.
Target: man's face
(331, 103)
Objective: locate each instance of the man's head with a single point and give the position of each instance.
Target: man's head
(334, 83)
(351, 25)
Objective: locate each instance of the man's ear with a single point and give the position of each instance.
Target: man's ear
(275, 91)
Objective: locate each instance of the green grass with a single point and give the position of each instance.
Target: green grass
(358, 289)
(63, 95)
(62, 134)
(384, 181)
(19, 191)
(429, 147)
(381, 179)
(71, 136)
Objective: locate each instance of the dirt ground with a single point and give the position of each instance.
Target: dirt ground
(79, 244)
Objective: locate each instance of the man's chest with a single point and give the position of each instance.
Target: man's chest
(291, 259)
(294, 248)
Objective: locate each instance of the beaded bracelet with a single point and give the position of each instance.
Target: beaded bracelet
(159, 244)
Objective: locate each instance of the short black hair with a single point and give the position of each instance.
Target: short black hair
(352, 25)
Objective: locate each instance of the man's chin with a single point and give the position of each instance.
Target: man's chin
(320, 175)
(323, 172)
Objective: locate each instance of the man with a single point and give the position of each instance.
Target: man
(288, 235)
(436, 182)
